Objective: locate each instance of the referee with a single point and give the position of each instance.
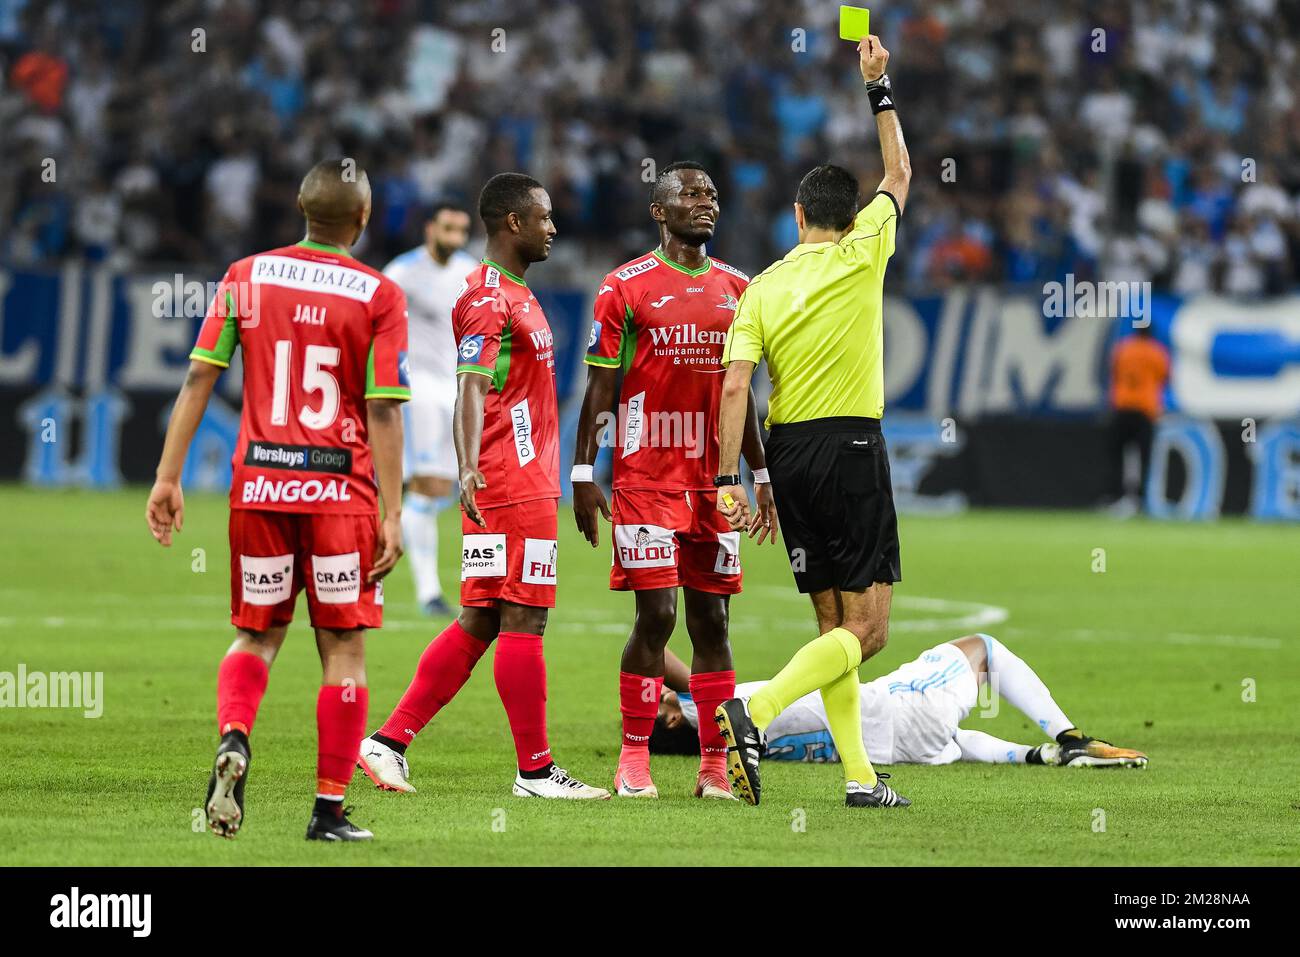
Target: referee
(816, 317)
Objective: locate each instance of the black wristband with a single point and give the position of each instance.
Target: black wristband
(721, 480)
(881, 95)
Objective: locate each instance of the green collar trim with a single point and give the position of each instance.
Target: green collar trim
(505, 272)
(324, 247)
(708, 264)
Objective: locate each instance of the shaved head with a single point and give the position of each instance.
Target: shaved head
(335, 194)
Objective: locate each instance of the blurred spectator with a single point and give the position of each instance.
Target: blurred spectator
(1113, 154)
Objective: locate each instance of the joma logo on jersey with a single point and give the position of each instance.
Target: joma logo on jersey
(688, 334)
(542, 338)
(265, 491)
(661, 302)
(309, 315)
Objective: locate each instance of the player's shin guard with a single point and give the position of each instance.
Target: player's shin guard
(444, 668)
(1023, 689)
(638, 702)
(843, 705)
(340, 726)
(709, 690)
(241, 682)
(520, 671)
(420, 531)
(813, 666)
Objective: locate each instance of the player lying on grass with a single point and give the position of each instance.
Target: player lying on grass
(659, 322)
(911, 715)
(320, 444)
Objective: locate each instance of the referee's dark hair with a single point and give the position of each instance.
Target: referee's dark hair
(829, 197)
(660, 187)
(503, 194)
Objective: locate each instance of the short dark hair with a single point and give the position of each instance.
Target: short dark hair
(658, 192)
(503, 194)
(829, 197)
(683, 739)
(443, 205)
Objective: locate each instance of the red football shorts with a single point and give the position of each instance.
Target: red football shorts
(668, 539)
(513, 559)
(274, 555)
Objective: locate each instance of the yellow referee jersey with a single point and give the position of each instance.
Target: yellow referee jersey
(816, 317)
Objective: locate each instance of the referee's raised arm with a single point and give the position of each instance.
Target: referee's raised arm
(816, 316)
(872, 59)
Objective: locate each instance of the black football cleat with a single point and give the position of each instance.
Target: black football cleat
(224, 804)
(1080, 751)
(330, 825)
(744, 747)
(882, 795)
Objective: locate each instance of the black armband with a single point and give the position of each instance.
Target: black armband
(881, 94)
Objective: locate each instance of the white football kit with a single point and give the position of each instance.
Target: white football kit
(431, 290)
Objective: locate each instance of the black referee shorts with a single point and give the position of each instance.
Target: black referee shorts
(830, 478)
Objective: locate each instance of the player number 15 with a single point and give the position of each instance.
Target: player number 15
(316, 377)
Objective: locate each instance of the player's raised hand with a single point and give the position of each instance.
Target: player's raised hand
(872, 58)
(588, 499)
(165, 511)
(388, 549)
(471, 480)
(764, 522)
(733, 503)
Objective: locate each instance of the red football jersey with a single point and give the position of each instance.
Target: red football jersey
(320, 333)
(502, 333)
(666, 325)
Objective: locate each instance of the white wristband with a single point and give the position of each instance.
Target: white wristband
(761, 477)
(582, 473)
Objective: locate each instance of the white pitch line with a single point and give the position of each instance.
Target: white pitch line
(1257, 642)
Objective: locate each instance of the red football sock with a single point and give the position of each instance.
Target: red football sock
(709, 690)
(241, 682)
(520, 671)
(340, 726)
(638, 697)
(443, 670)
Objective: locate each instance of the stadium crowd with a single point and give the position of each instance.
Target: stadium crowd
(1152, 140)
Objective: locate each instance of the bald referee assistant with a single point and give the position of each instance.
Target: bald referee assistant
(816, 317)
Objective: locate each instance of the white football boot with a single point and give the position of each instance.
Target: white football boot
(384, 766)
(558, 785)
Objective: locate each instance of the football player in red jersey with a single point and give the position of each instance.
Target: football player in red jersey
(662, 319)
(507, 434)
(323, 340)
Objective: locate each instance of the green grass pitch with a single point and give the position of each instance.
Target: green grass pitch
(1158, 652)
